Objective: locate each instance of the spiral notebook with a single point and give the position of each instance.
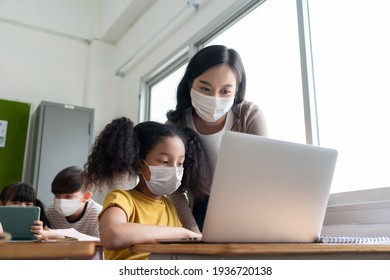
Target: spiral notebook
(350, 239)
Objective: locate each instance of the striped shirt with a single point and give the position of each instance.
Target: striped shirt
(88, 224)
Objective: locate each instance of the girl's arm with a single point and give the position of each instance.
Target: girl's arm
(116, 233)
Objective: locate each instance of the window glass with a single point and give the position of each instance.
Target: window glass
(351, 60)
(269, 49)
(268, 43)
(351, 69)
(163, 95)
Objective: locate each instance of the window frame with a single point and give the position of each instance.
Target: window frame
(162, 70)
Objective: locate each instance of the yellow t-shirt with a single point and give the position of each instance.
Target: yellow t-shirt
(142, 209)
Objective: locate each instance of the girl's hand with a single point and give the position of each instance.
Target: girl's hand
(193, 234)
(43, 234)
(37, 229)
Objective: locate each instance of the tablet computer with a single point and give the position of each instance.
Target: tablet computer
(17, 221)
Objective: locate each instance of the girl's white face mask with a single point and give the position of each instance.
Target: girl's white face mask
(67, 207)
(164, 180)
(210, 108)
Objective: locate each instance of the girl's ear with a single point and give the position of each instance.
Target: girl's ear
(138, 167)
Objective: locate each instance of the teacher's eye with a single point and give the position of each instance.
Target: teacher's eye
(225, 92)
(163, 162)
(205, 89)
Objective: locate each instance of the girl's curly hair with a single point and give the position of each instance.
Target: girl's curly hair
(112, 155)
(197, 175)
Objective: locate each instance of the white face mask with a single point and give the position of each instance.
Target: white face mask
(210, 108)
(164, 180)
(67, 207)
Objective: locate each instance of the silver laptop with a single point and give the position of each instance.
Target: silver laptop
(267, 190)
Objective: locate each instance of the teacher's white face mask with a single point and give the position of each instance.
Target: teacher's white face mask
(210, 108)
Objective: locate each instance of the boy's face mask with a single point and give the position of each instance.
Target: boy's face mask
(164, 180)
(67, 207)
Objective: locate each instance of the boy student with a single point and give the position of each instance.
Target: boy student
(73, 206)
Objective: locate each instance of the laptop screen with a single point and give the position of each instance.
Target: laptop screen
(267, 190)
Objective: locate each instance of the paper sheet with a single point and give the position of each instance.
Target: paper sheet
(3, 132)
(71, 232)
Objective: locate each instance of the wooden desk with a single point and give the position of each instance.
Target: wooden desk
(72, 250)
(265, 251)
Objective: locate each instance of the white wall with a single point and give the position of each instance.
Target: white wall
(38, 66)
(71, 17)
(50, 50)
(99, 92)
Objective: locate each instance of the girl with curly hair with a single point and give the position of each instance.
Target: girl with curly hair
(153, 152)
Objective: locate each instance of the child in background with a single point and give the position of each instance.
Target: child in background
(155, 153)
(22, 194)
(73, 206)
